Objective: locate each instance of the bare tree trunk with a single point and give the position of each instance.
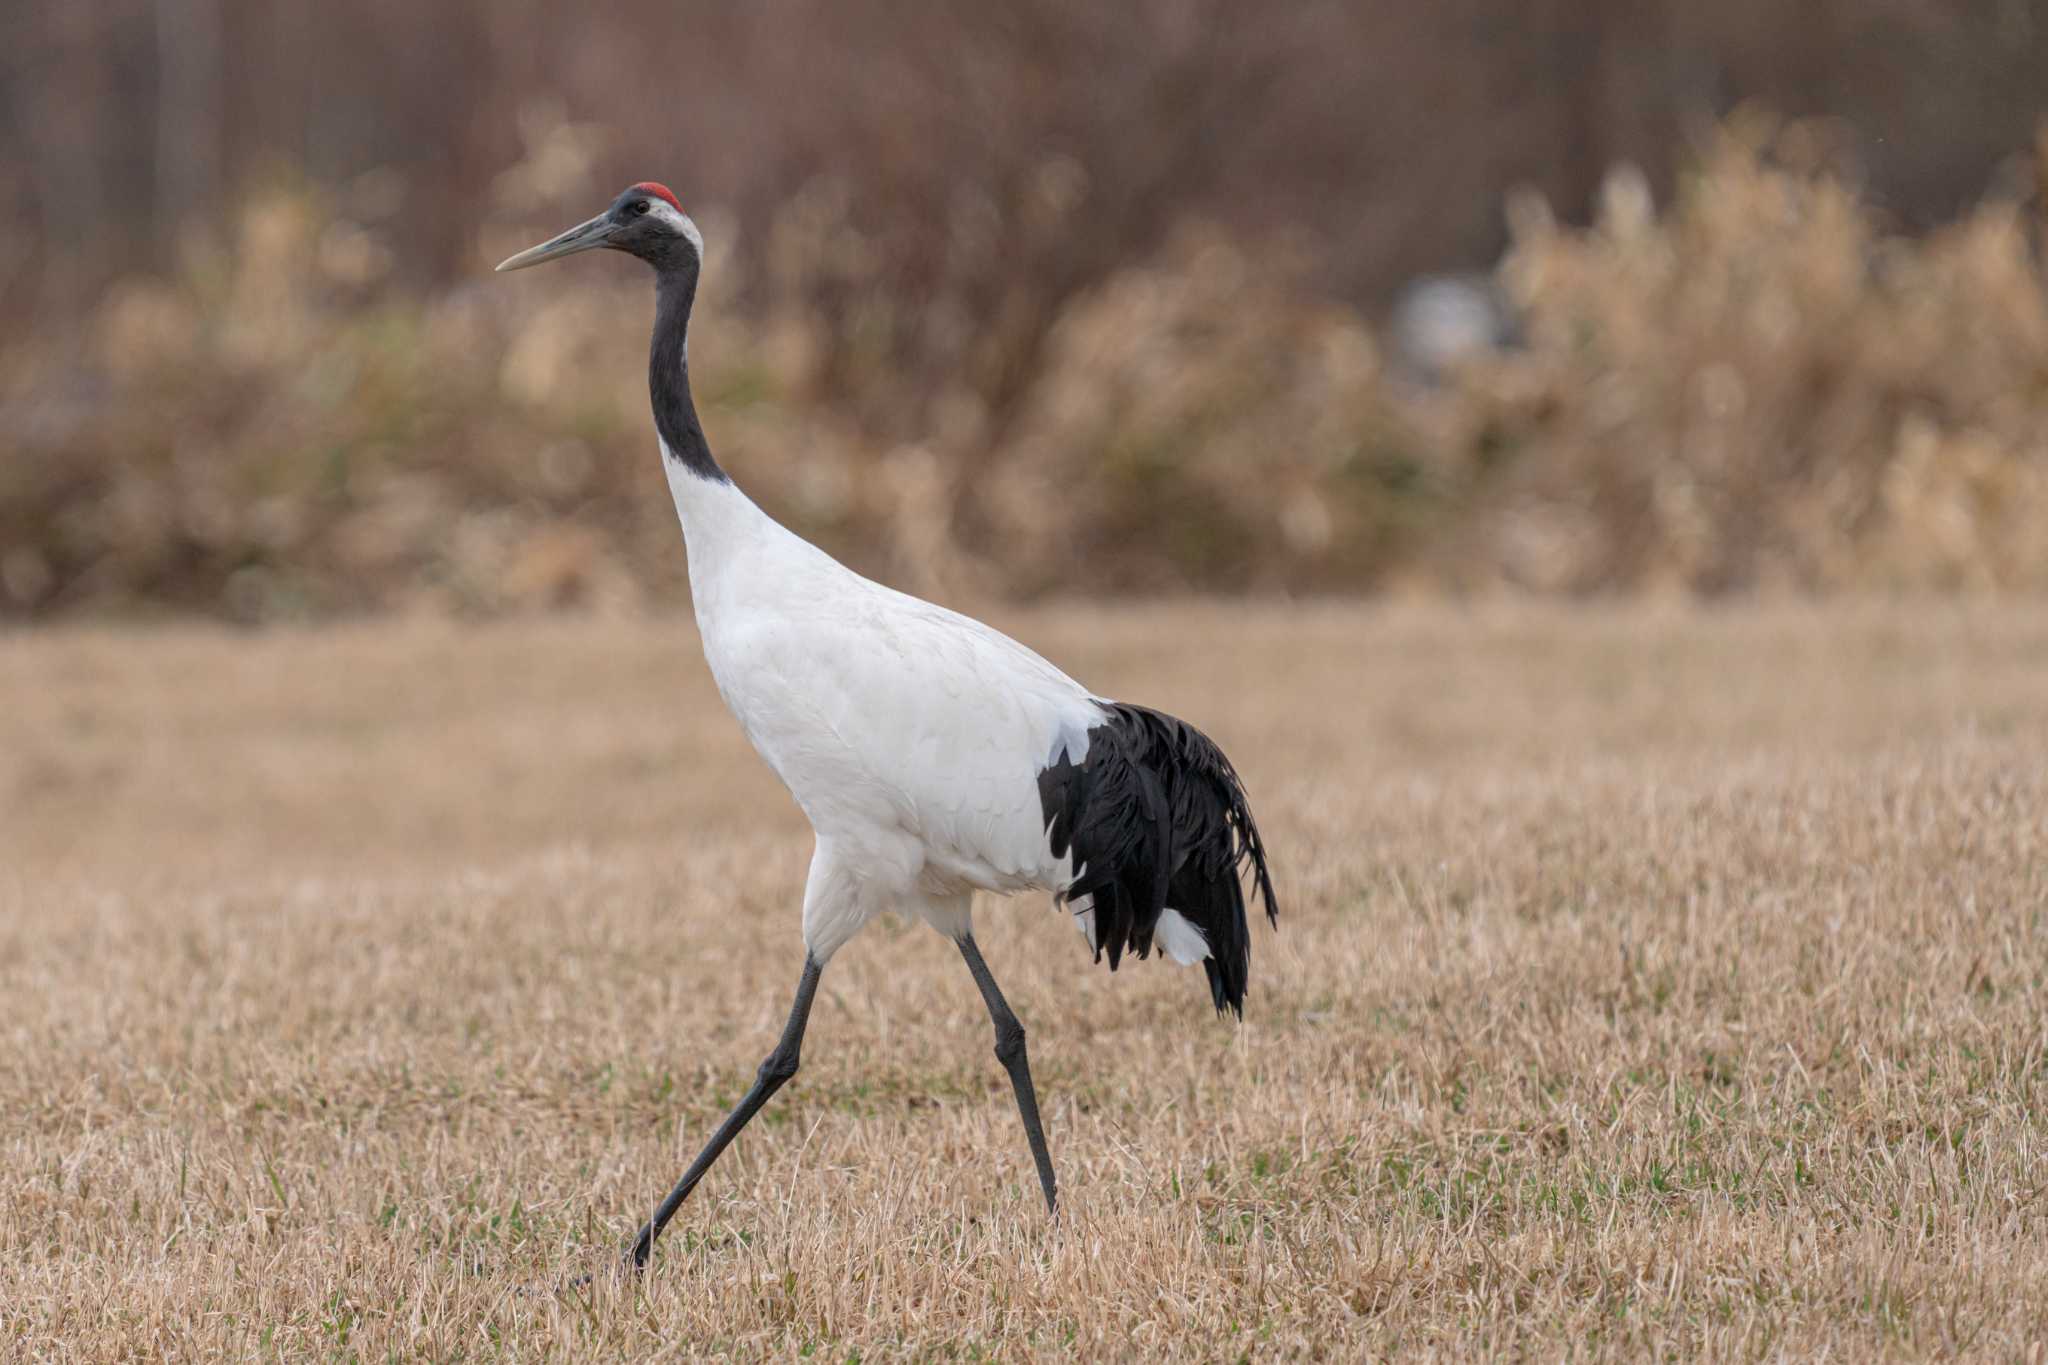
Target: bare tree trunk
(61, 102)
(1579, 39)
(188, 121)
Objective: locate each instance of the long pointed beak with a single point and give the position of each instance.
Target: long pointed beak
(582, 237)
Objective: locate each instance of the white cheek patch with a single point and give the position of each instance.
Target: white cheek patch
(680, 221)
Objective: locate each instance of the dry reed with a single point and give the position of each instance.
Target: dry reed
(1756, 387)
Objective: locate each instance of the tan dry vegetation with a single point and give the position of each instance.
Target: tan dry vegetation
(1648, 981)
(1754, 386)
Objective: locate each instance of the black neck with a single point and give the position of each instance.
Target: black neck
(668, 374)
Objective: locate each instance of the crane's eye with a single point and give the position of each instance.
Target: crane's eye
(640, 206)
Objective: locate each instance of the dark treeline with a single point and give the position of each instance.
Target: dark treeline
(1380, 134)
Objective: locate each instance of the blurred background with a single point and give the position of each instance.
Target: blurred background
(1048, 298)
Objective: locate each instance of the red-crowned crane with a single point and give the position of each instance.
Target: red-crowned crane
(933, 755)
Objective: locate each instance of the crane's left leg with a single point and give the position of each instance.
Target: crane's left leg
(779, 1067)
(1010, 1052)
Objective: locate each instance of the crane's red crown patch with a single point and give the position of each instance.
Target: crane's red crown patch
(652, 187)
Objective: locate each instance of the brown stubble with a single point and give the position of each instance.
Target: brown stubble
(1649, 980)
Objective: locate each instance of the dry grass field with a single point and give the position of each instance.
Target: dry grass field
(1649, 981)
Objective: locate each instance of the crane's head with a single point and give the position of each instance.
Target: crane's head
(645, 221)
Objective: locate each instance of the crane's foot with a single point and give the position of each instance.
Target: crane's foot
(569, 1286)
(636, 1256)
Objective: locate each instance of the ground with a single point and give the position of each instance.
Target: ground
(1648, 979)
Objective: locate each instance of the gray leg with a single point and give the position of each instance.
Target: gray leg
(1010, 1052)
(779, 1067)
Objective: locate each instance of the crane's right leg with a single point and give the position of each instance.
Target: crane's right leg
(779, 1067)
(1010, 1052)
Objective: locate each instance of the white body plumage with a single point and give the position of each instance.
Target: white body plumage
(911, 736)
